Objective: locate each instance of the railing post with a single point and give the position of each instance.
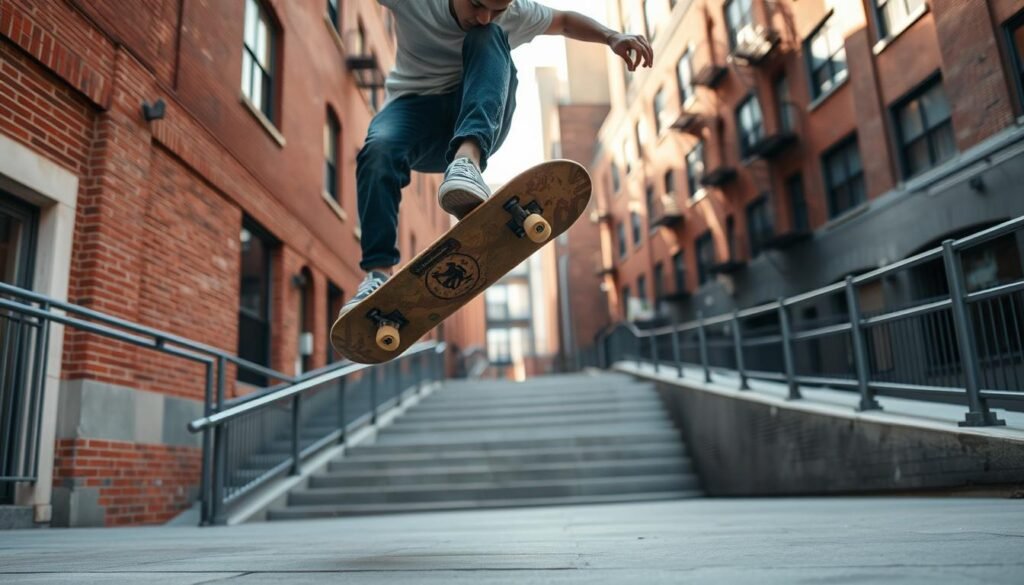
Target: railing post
(296, 405)
(675, 347)
(398, 381)
(220, 437)
(373, 394)
(38, 393)
(979, 414)
(860, 353)
(636, 346)
(703, 342)
(654, 350)
(205, 477)
(787, 353)
(737, 341)
(342, 423)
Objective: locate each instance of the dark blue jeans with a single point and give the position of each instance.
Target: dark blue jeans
(422, 133)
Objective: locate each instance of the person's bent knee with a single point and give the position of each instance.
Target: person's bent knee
(488, 33)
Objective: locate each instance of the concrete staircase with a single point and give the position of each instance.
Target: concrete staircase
(556, 440)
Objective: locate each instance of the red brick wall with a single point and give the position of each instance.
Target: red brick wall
(588, 304)
(160, 203)
(956, 38)
(972, 71)
(137, 484)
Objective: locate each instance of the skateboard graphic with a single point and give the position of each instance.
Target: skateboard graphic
(519, 218)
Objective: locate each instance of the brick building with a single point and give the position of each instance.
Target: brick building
(229, 217)
(777, 146)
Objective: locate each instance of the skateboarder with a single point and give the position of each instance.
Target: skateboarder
(450, 99)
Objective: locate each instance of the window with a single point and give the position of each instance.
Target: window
(625, 302)
(254, 300)
(332, 130)
(925, 129)
(670, 183)
(738, 15)
(634, 221)
(695, 168)
(749, 124)
(684, 76)
(641, 288)
(649, 202)
(659, 281)
(894, 15)
(258, 59)
(797, 203)
(759, 225)
(783, 109)
(679, 267)
(622, 239)
(334, 13)
(826, 58)
(844, 177)
(616, 178)
(705, 257)
(1015, 30)
(659, 111)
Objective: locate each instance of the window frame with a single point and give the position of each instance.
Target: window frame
(733, 31)
(1016, 56)
(635, 225)
(835, 79)
(264, 16)
(332, 177)
(693, 177)
(885, 32)
(748, 150)
(841, 145)
(759, 235)
(685, 86)
(928, 132)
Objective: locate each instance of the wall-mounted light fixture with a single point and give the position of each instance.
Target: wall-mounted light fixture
(154, 111)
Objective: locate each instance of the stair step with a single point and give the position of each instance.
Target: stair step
(462, 474)
(653, 419)
(416, 415)
(440, 401)
(368, 460)
(609, 431)
(492, 490)
(310, 512)
(451, 444)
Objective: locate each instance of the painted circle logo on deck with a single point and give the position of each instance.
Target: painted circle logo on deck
(453, 276)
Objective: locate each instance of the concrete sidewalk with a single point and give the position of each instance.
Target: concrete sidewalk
(780, 541)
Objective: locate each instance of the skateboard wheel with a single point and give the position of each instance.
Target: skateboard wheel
(537, 228)
(388, 338)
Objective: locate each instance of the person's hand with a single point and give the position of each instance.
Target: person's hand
(635, 50)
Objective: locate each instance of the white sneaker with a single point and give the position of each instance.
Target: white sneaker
(463, 188)
(372, 282)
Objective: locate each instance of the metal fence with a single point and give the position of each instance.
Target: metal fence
(271, 431)
(264, 435)
(916, 329)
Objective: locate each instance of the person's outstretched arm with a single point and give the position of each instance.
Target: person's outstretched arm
(635, 50)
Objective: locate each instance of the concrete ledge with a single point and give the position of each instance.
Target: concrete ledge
(758, 443)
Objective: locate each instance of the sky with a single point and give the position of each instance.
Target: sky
(523, 148)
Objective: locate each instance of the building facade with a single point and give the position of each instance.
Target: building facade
(777, 146)
(190, 167)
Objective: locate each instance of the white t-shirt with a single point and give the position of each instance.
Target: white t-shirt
(429, 59)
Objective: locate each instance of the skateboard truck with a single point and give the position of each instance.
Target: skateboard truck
(388, 325)
(527, 221)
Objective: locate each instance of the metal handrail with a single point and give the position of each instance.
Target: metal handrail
(958, 303)
(162, 337)
(249, 404)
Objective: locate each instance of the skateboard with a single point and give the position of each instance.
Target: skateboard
(519, 218)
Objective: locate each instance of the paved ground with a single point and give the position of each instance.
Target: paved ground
(783, 541)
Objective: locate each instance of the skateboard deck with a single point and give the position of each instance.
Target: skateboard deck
(538, 204)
